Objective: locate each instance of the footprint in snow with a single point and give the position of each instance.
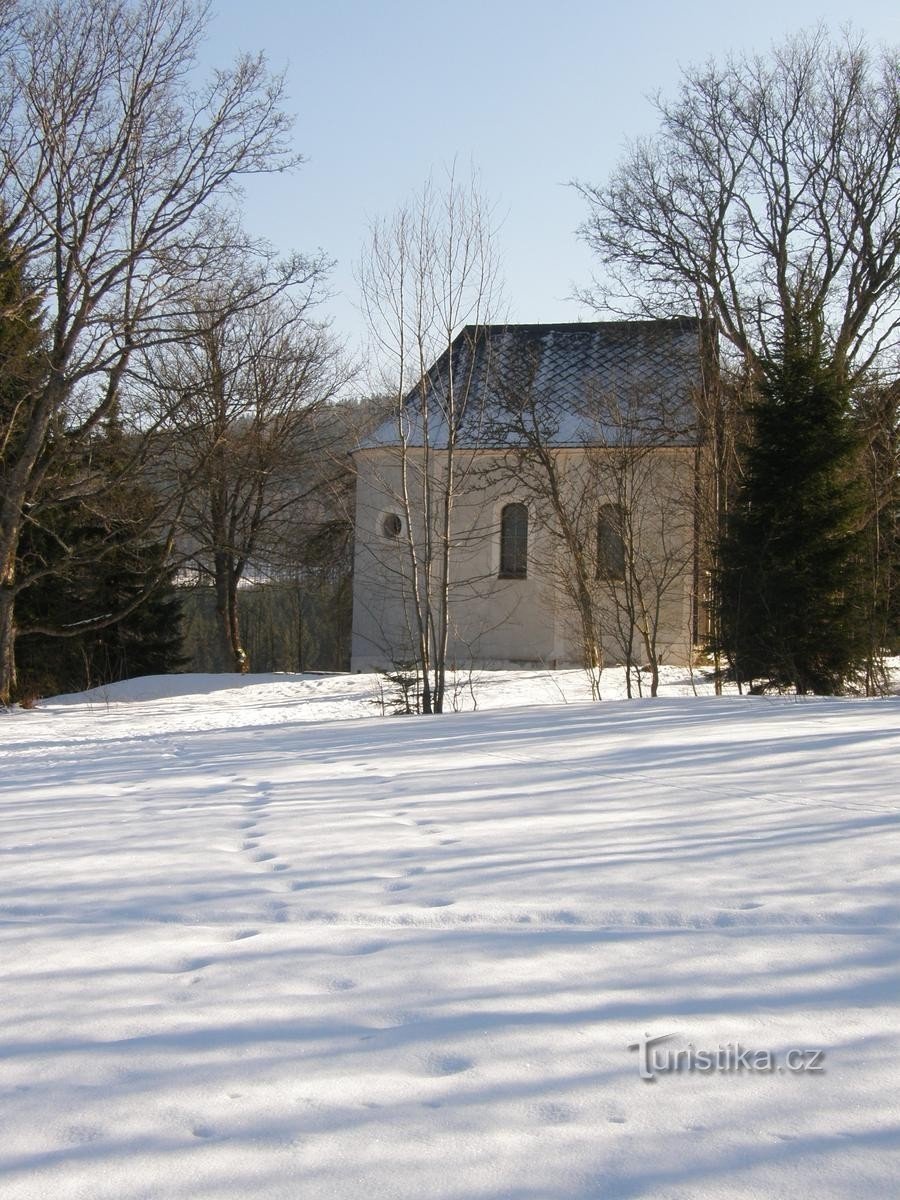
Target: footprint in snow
(370, 947)
(439, 902)
(341, 985)
(82, 1135)
(447, 1064)
(191, 964)
(553, 1112)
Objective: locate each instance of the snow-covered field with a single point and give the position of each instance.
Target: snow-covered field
(251, 949)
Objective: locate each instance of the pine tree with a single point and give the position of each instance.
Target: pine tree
(789, 590)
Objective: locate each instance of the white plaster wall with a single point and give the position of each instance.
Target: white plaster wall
(503, 622)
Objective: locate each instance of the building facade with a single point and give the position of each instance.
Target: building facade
(534, 499)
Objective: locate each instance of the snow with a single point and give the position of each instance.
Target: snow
(249, 948)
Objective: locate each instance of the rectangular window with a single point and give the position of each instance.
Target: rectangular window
(514, 542)
(611, 543)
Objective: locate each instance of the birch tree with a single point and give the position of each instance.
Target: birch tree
(429, 273)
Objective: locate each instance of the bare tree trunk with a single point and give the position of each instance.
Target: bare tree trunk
(227, 619)
(7, 640)
(449, 487)
(240, 656)
(428, 274)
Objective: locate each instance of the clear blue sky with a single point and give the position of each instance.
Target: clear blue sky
(533, 94)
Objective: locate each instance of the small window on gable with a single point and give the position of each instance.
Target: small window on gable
(514, 541)
(611, 543)
(392, 525)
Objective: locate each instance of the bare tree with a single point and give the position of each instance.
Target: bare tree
(878, 416)
(243, 395)
(619, 508)
(645, 538)
(557, 485)
(773, 181)
(766, 172)
(428, 274)
(110, 169)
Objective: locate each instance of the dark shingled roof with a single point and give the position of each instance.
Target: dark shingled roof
(584, 382)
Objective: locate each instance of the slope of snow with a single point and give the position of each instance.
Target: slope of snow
(249, 949)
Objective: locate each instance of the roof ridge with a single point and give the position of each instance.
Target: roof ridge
(623, 323)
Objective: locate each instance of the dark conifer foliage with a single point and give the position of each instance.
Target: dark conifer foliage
(790, 585)
(145, 642)
(22, 375)
(87, 557)
(877, 411)
(22, 357)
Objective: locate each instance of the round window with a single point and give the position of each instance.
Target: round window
(392, 526)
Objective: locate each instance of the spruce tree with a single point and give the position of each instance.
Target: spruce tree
(790, 587)
(91, 557)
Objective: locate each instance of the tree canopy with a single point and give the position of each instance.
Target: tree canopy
(767, 172)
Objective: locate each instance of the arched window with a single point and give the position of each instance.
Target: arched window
(514, 541)
(611, 543)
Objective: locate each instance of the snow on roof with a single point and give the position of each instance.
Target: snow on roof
(584, 383)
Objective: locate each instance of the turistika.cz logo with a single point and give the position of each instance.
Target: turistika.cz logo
(657, 1058)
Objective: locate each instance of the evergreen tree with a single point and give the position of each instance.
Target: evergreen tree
(89, 557)
(790, 587)
(22, 374)
(877, 412)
